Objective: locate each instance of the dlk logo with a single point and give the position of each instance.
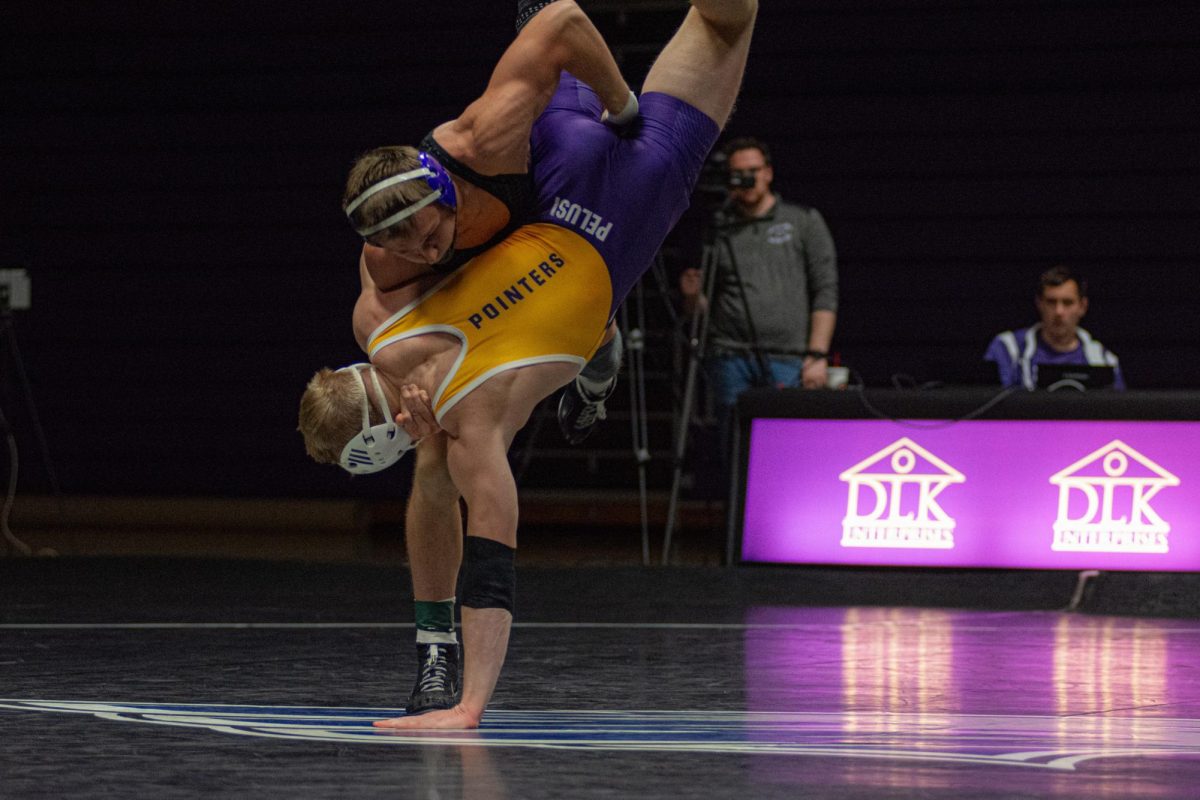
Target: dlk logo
(1104, 503)
(905, 513)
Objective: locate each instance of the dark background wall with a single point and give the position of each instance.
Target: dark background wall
(171, 173)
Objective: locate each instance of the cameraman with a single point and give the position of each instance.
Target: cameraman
(774, 301)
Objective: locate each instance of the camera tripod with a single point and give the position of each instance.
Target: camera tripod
(632, 321)
(698, 344)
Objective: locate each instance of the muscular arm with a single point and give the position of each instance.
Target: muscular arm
(493, 132)
(363, 318)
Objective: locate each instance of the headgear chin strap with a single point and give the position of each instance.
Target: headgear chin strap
(435, 176)
(375, 447)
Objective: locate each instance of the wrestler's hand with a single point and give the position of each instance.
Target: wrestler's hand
(457, 719)
(416, 414)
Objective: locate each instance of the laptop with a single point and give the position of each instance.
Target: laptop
(1082, 377)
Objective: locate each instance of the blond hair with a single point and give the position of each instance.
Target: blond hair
(369, 169)
(331, 414)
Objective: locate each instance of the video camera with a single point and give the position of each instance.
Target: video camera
(716, 179)
(743, 178)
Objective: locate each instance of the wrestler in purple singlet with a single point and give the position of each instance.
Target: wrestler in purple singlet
(622, 189)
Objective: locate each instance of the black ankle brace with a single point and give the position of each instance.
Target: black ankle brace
(489, 576)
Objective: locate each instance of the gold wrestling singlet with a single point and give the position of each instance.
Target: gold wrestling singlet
(542, 295)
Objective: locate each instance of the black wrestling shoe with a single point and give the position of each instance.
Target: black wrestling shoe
(437, 685)
(528, 9)
(579, 411)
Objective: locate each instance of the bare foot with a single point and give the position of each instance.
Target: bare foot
(453, 719)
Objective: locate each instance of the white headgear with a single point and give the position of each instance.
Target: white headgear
(375, 447)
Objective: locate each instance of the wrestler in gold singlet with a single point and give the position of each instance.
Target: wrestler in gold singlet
(542, 295)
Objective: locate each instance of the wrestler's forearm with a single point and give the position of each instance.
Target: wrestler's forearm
(577, 47)
(496, 126)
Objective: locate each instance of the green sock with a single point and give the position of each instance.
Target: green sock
(435, 621)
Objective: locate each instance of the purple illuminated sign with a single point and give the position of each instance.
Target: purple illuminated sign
(1113, 495)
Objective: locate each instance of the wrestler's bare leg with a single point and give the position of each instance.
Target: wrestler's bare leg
(434, 539)
(481, 429)
(704, 61)
(485, 634)
(482, 469)
(433, 524)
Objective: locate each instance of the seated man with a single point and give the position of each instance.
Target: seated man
(424, 213)
(489, 342)
(1061, 303)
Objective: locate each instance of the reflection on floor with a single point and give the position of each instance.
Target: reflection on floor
(771, 701)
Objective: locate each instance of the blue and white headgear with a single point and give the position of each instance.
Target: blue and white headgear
(435, 176)
(379, 446)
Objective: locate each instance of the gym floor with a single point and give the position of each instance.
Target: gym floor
(184, 677)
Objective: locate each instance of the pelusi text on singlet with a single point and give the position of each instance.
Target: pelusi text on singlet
(585, 219)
